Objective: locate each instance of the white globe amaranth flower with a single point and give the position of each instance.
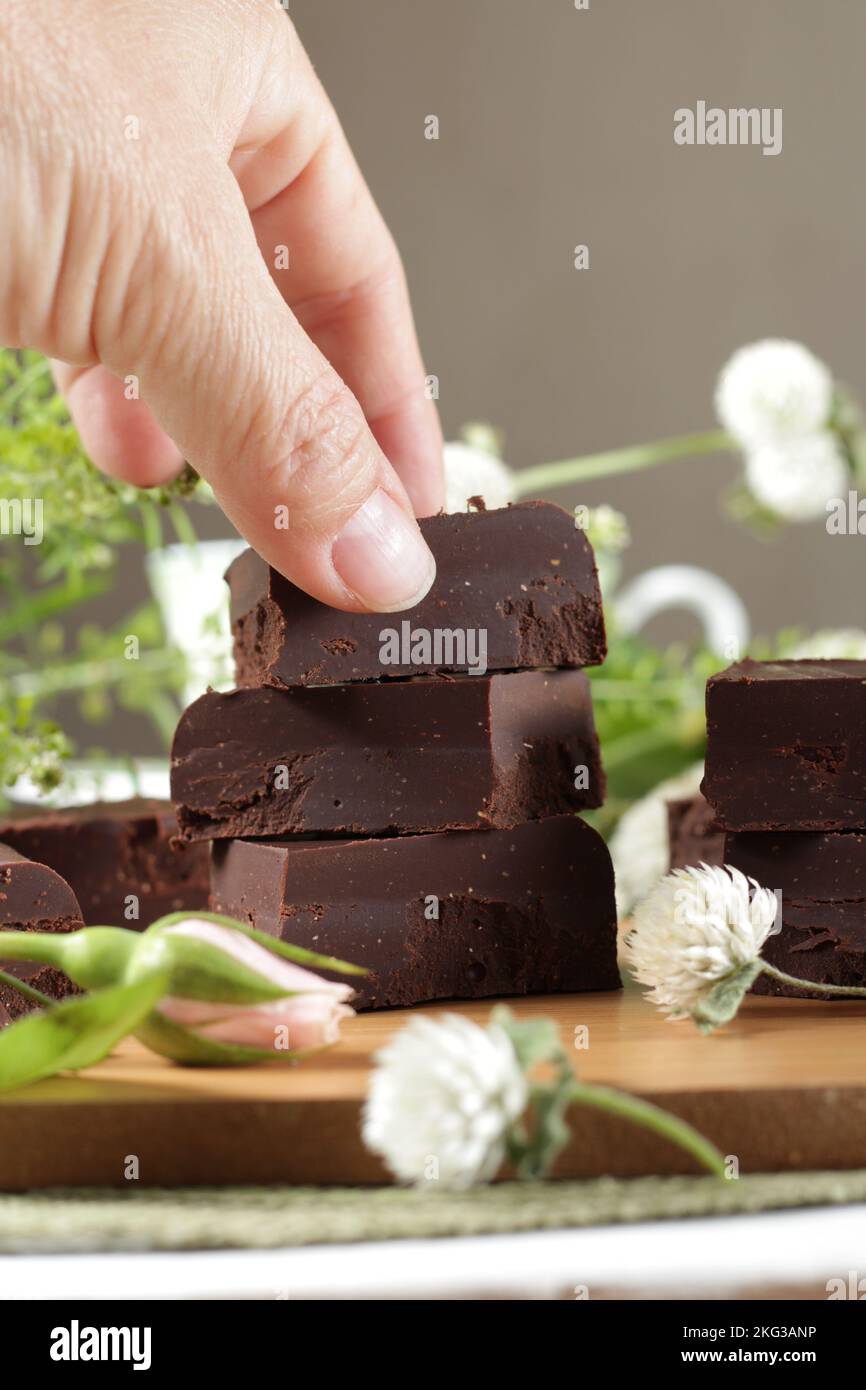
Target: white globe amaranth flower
(472, 472)
(442, 1098)
(640, 846)
(698, 928)
(607, 529)
(796, 478)
(608, 533)
(772, 391)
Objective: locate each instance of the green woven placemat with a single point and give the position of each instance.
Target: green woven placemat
(267, 1217)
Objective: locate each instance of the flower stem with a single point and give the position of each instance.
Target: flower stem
(47, 947)
(851, 991)
(649, 1116)
(34, 995)
(93, 957)
(542, 476)
(65, 678)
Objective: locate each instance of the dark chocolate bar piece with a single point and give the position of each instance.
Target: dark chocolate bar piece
(32, 898)
(786, 745)
(386, 758)
(118, 857)
(459, 915)
(516, 589)
(822, 881)
(692, 833)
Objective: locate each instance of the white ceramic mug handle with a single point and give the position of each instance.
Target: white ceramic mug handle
(719, 609)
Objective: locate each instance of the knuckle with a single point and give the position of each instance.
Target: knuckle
(321, 431)
(276, 21)
(160, 260)
(141, 302)
(380, 291)
(315, 457)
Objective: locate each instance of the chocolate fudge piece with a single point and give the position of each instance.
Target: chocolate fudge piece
(459, 915)
(32, 898)
(822, 880)
(386, 758)
(692, 833)
(786, 745)
(516, 588)
(112, 851)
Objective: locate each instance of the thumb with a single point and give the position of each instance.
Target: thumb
(254, 406)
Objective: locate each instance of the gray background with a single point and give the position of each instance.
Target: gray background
(556, 128)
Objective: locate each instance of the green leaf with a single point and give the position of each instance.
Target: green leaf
(537, 1149)
(534, 1039)
(299, 954)
(533, 1147)
(74, 1034)
(722, 1002)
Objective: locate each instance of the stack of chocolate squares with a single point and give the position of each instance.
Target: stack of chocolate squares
(693, 836)
(400, 790)
(786, 778)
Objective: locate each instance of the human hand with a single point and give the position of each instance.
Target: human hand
(157, 161)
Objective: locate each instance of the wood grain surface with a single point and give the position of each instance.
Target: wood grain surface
(783, 1087)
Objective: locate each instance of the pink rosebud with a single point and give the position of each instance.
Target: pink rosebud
(310, 1013)
(310, 1020)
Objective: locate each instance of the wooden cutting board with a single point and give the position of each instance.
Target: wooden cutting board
(783, 1087)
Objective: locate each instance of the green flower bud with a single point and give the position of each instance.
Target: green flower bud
(93, 957)
(196, 969)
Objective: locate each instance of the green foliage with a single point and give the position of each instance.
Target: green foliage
(721, 1004)
(86, 515)
(536, 1139)
(29, 744)
(847, 423)
(649, 711)
(87, 519)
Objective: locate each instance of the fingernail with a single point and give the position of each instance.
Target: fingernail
(382, 557)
